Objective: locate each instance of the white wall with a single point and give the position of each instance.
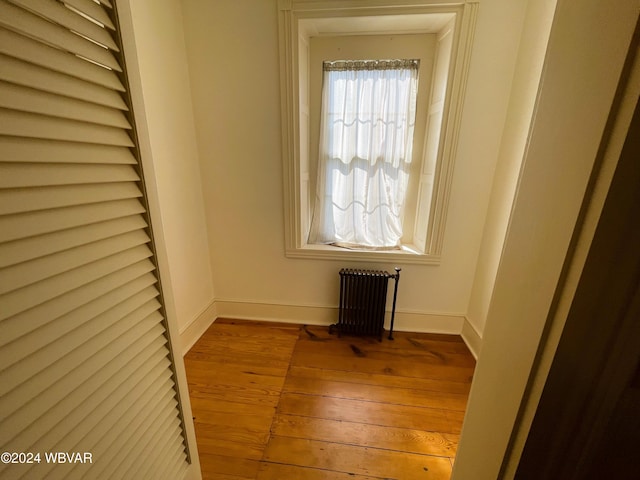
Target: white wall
(166, 93)
(531, 52)
(586, 51)
(232, 49)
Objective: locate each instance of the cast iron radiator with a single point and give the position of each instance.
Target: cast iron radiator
(363, 297)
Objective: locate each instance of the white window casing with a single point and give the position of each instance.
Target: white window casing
(453, 24)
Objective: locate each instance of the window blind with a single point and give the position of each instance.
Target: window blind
(85, 364)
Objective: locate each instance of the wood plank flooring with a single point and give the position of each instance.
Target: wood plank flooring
(291, 402)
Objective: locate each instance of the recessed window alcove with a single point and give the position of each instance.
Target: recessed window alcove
(314, 31)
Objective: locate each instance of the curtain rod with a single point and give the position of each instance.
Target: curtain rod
(393, 64)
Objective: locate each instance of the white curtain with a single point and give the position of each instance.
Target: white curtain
(368, 116)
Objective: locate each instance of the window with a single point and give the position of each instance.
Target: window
(366, 140)
(304, 24)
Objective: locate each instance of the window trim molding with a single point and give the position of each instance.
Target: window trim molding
(290, 13)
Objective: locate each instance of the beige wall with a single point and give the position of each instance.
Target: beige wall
(586, 51)
(232, 49)
(531, 51)
(166, 94)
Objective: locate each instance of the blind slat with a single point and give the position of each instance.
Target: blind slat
(173, 463)
(30, 272)
(134, 449)
(149, 379)
(29, 100)
(91, 295)
(29, 75)
(24, 48)
(166, 455)
(55, 421)
(63, 16)
(93, 10)
(32, 336)
(32, 150)
(23, 299)
(137, 431)
(23, 21)
(177, 467)
(78, 434)
(18, 175)
(151, 387)
(58, 196)
(160, 448)
(13, 227)
(41, 126)
(79, 382)
(80, 344)
(23, 250)
(109, 439)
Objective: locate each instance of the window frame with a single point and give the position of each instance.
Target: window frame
(294, 16)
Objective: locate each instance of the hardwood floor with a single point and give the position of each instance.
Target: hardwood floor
(291, 402)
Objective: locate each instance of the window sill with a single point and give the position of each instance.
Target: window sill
(408, 255)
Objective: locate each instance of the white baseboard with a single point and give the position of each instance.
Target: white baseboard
(450, 324)
(191, 332)
(472, 338)
(318, 315)
(272, 312)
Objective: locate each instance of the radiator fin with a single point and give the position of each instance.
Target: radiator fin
(363, 297)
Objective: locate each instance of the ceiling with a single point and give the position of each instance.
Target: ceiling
(379, 24)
